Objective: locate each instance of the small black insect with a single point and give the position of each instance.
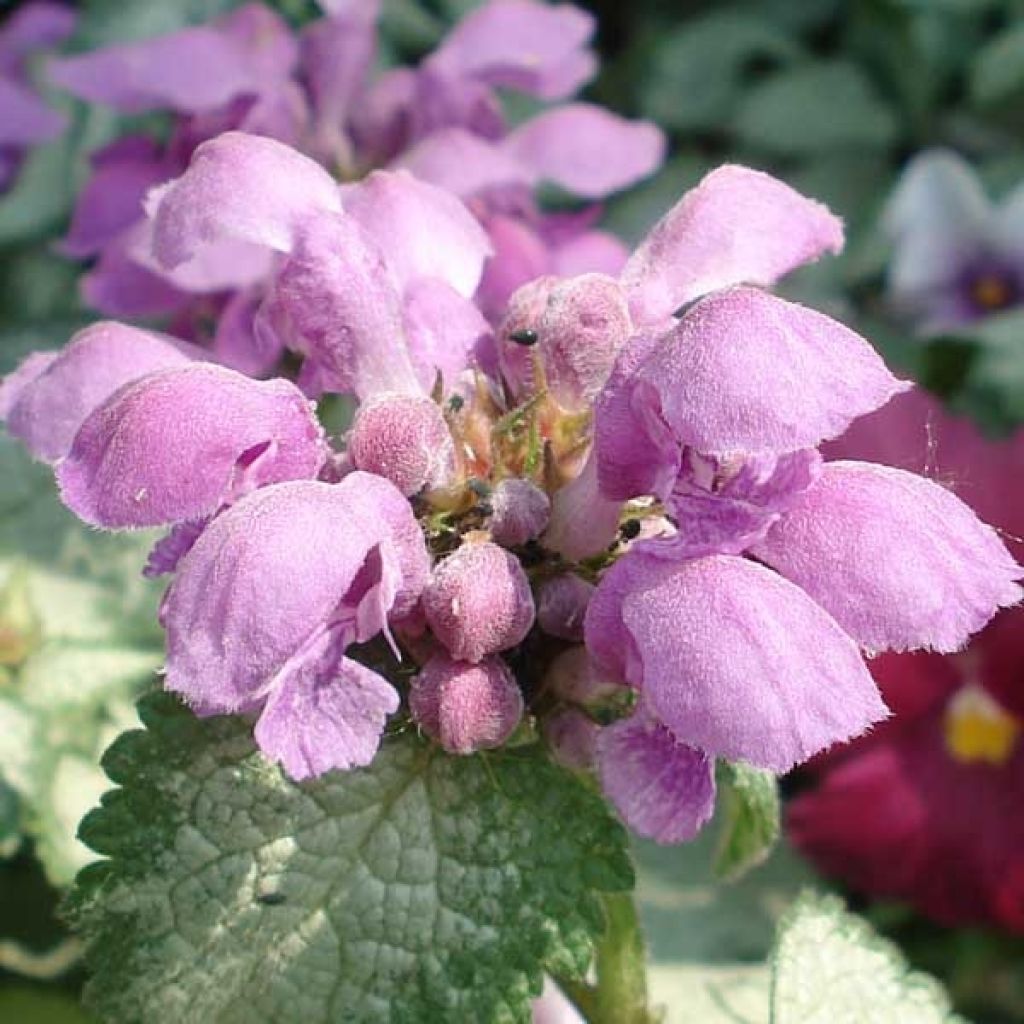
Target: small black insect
(526, 336)
(272, 899)
(630, 529)
(456, 402)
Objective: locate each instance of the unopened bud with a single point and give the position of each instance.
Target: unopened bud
(520, 512)
(561, 604)
(478, 601)
(466, 707)
(404, 439)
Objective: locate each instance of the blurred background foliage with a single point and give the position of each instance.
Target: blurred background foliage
(832, 96)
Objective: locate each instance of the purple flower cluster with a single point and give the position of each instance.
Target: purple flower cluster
(25, 119)
(608, 515)
(315, 91)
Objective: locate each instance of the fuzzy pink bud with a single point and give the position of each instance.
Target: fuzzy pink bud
(561, 604)
(466, 707)
(573, 678)
(404, 439)
(478, 601)
(521, 512)
(572, 737)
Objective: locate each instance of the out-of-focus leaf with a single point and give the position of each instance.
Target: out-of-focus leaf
(711, 993)
(998, 70)
(36, 1006)
(829, 966)
(694, 74)
(749, 807)
(819, 106)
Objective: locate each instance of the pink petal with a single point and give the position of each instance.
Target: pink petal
(737, 226)
(740, 663)
(586, 149)
(429, 232)
(25, 120)
(178, 443)
(583, 521)
(254, 596)
(48, 398)
(899, 561)
(335, 301)
(465, 164)
(241, 187)
(327, 713)
(662, 789)
(746, 371)
(520, 44)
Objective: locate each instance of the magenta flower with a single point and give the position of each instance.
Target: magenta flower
(25, 119)
(923, 810)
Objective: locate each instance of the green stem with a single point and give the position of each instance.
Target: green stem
(620, 996)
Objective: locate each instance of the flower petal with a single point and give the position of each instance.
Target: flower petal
(746, 371)
(937, 218)
(662, 789)
(738, 662)
(520, 44)
(899, 561)
(45, 409)
(429, 232)
(334, 300)
(268, 576)
(179, 443)
(328, 713)
(737, 226)
(25, 119)
(587, 149)
(465, 164)
(240, 187)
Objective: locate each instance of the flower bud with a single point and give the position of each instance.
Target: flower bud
(466, 707)
(572, 677)
(572, 736)
(521, 511)
(478, 601)
(404, 439)
(517, 335)
(562, 603)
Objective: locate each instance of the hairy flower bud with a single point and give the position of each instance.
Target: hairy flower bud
(573, 678)
(561, 604)
(466, 707)
(572, 738)
(404, 439)
(521, 512)
(478, 601)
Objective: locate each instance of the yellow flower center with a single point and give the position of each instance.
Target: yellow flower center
(991, 292)
(978, 729)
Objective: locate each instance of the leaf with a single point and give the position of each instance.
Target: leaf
(423, 888)
(998, 69)
(830, 966)
(32, 1006)
(749, 802)
(693, 75)
(711, 994)
(814, 107)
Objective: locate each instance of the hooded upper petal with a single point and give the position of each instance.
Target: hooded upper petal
(745, 371)
(240, 188)
(178, 443)
(521, 44)
(740, 663)
(47, 399)
(587, 149)
(899, 561)
(662, 789)
(428, 232)
(190, 71)
(737, 226)
(275, 573)
(335, 301)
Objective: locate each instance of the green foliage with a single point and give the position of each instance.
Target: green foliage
(817, 106)
(830, 966)
(998, 71)
(749, 808)
(423, 888)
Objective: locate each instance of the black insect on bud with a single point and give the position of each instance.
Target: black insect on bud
(456, 402)
(630, 529)
(525, 337)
